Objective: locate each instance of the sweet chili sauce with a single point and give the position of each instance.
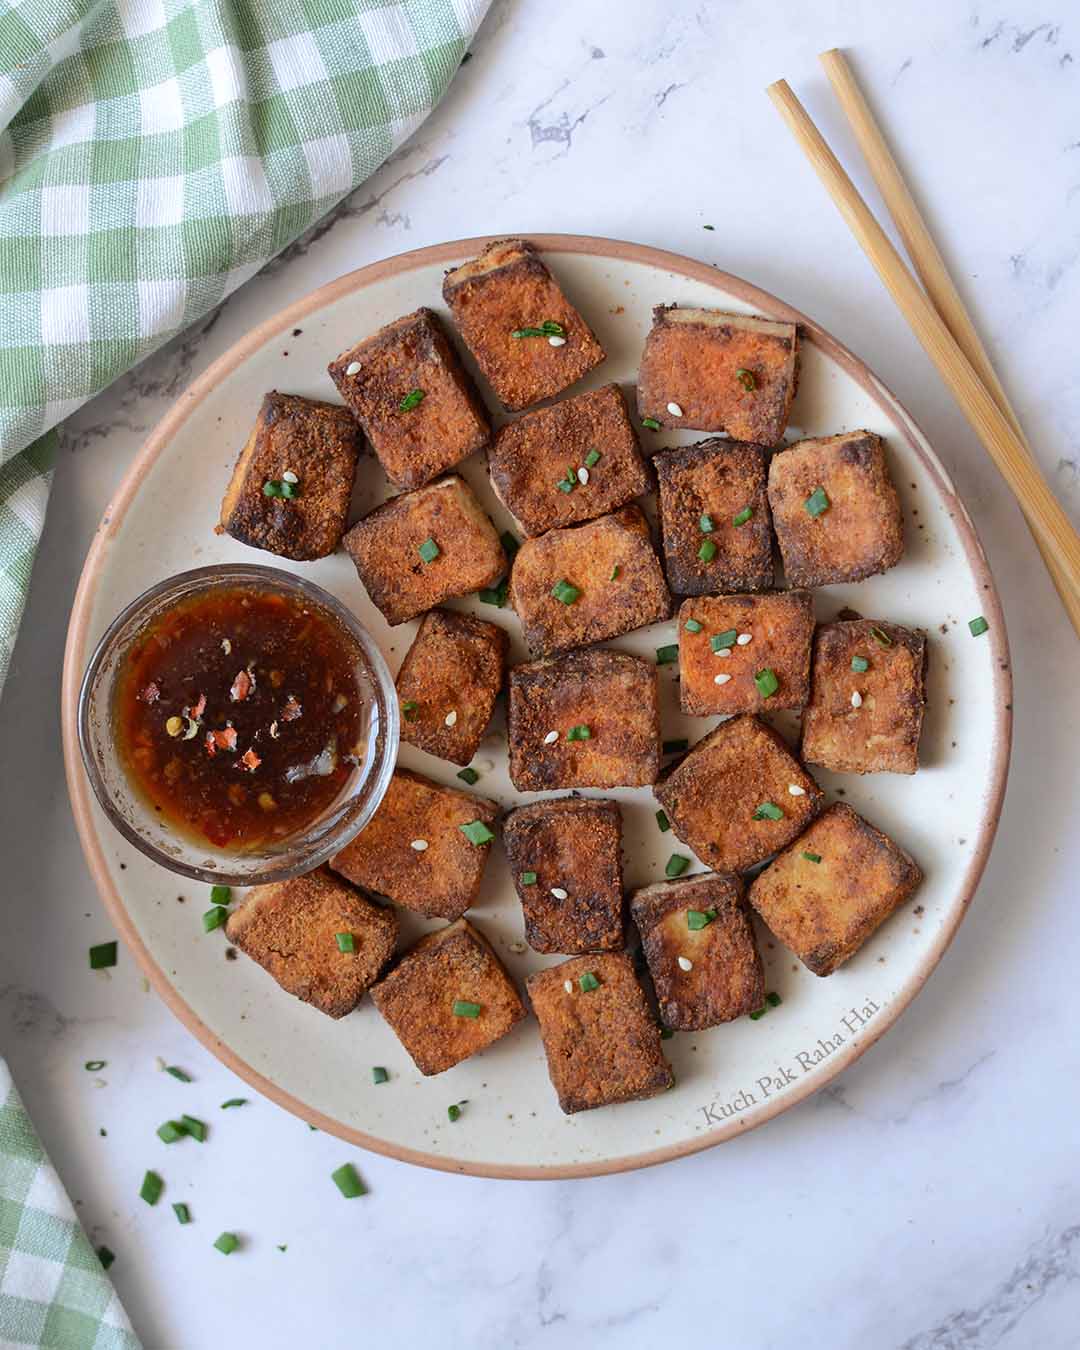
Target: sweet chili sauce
(240, 716)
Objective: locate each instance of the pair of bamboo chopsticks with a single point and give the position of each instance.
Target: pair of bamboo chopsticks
(936, 315)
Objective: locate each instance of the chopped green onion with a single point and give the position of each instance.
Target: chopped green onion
(666, 1033)
(860, 663)
(562, 590)
(614, 572)
(196, 1128)
(724, 639)
(221, 895)
(476, 832)
(743, 516)
(707, 551)
(746, 378)
(571, 476)
(593, 457)
(214, 918)
(469, 776)
(976, 627)
(651, 423)
(663, 822)
(588, 982)
(495, 595)
(675, 747)
(463, 1008)
(412, 400)
(103, 955)
(453, 1112)
(708, 227)
(345, 942)
(773, 1000)
(271, 489)
(565, 485)
(676, 865)
(697, 919)
(692, 626)
(106, 1257)
(667, 656)
(549, 328)
(151, 1188)
(379, 1074)
(705, 524)
(509, 543)
(527, 878)
(227, 1243)
(348, 1183)
(817, 503)
(579, 733)
(811, 857)
(879, 635)
(428, 550)
(768, 811)
(183, 1214)
(234, 1101)
(288, 490)
(94, 1065)
(760, 1012)
(171, 1132)
(409, 709)
(767, 683)
(178, 1073)
(283, 1246)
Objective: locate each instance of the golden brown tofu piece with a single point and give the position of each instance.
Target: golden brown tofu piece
(745, 653)
(318, 444)
(867, 698)
(826, 894)
(739, 795)
(835, 511)
(448, 997)
(588, 583)
(589, 436)
(508, 290)
(424, 547)
(410, 393)
(700, 948)
(703, 370)
(566, 861)
(448, 683)
(414, 850)
(704, 490)
(601, 1042)
(290, 928)
(588, 719)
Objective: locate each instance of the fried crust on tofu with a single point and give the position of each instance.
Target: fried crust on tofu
(455, 964)
(612, 565)
(573, 845)
(726, 978)
(716, 479)
(385, 547)
(504, 290)
(781, 629)
(611, 693)
(319, 442)
(441, 880)
(860, 532)
(290, 928)
(415, 443)
(712, 796)
(881, 734)
(529, 458)
(602, 1044)
(724, 372)
(454, 669)
(824, 911)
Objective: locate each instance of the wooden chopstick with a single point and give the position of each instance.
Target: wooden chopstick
(1044, 514)
(930, 267)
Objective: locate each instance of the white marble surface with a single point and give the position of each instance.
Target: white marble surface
(931, 1197)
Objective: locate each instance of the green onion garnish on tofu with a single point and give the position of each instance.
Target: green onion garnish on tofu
(705, 524)
(234, 1101)
(696, 919)
(773, 1000)
(196, 1128)
(227, 1243)
(651, 423)
(151, 1188)
(379, 1074)
(549, 328)
(412, 400)
(692, 626)
(860, 664)
(495, 595)
(469, 776)
(588, 982)
(817, 503)
(428, 550)
(103, 955)
(463, 1008)
(579, 733)
(707, 552)
(214, 918)
(476, 832)
(171, 1132)
(743, 516)
(177, 1073)
(593, 457)
(663, 822)
(528, 878)
(725, 639)
(768, 811)
(221, 895)
(767, 683)
(811, 857)
(879, 635)
(347, 1181)
(676, 865)
(667, 656)
(345, 942)
(409, 709)
(453, 1111)
(563, 591)
(94, 1065)
(746, 378)
(976, 627)
(183, 1214)
(614, 572)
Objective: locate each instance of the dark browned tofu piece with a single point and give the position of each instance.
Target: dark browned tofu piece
(610, 696)
(835, 511)
(448, 683)
(508, 290)
(745, 653)
(739, 795)
(461, 549)
(867, 698)
(703, 370)
(566, 861)
(290, 928)
(317, 445)
(414, 850)
(587, 583)
(601, 1042)
(382, 380)
(590, 436)
(453, 968)
(700, 947)
(827, 893)
(704, 489)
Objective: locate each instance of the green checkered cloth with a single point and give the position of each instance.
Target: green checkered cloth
(153, 155)
(53, 1290)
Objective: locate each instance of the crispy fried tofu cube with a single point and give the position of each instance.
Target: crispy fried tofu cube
(424, 547)
(835, 511)
(290, 928)
(588, 719)
(732, 644)
(703, 370)
(826, 894)
(303, 518)
(588, 583)
(448, 683)
(410, 393)
(601, 1042)
(739, 795)
(448, 997)
(566, 860)
(867, 698)
(508, 290)
(414, 850)
(704, 490)
(700, 948)
(590, 436)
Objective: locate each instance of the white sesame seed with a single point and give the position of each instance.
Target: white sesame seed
(856, 699)
(674, 410)
(289, 477)
(796, 790)
(450, 719)
(419, 845)
(724, 651)
(583, 474)
(685, 963)
(721, 679)
(559, 893)
(353, 368)
(568, 986)
(554, 341)
(226, 646)
(744, 638)
(551, 738)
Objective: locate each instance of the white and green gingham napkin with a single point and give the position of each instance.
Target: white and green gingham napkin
(153, 155)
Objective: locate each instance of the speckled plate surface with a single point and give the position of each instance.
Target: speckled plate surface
(730, 1078)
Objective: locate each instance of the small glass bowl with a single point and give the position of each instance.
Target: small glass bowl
(135, 819)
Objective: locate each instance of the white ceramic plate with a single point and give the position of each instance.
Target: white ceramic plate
(729, 1078)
